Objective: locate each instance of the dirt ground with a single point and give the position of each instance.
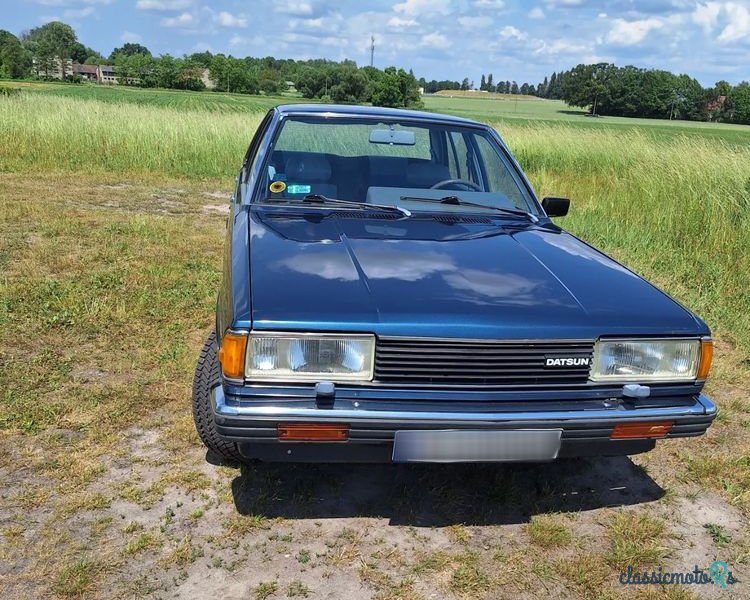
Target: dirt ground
(106, 491)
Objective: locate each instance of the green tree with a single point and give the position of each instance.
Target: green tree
(85, 55)
(738, 103)
(490, 85)
(409, 88)
(167, 72)
(723, 88)
(351, 87)
(387, 91)
(233, 75)
(587, 85)
(130, 49)
(51, 42)
(137, 69)
(15, 60)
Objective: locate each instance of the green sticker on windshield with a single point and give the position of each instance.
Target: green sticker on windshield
(296, 188)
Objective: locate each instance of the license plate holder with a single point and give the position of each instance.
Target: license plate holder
(460, 445)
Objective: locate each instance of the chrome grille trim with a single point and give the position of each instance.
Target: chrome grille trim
(438, 362)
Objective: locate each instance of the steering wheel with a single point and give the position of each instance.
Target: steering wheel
(464, 182)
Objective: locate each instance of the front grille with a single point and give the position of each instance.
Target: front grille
(479, 363)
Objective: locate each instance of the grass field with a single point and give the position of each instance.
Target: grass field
(177, 99)
(111, 234)
(509, 109)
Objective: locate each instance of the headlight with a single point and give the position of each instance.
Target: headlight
(310, 357)
(646, 360)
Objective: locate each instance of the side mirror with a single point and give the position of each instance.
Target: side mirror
(556, 207)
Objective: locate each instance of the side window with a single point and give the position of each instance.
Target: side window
(250, 164)
(457, 156)
(499, 178)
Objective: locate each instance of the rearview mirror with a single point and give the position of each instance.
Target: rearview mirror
(555, 207)
(399, 137)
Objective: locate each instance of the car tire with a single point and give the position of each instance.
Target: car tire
(207, 377)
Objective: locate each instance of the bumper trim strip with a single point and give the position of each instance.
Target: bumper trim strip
(702, 407)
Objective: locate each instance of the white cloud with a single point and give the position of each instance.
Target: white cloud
(558, 47)
(69, 2)
(423, 7)
(238, 40)
(399, 23)
(494, 4)
(293, 7)
(566, 2)
(182, 20)
(435, 40)
(738, 26)
(510, 32)
(706, 15)
(130, 37)
(474, 22)
(227, 19)
(163, 4)
(536, 13)
(629, 33)
(79, 13)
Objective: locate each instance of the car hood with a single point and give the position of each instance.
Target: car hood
(470, 278)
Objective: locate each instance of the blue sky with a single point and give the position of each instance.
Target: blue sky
(440, 39)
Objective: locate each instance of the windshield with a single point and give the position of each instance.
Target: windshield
(420, 166)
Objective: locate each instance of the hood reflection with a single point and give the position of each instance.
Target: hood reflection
(382, 263)
(474, 285)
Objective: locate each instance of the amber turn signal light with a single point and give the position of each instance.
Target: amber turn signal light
(313, 432)
(707, 355)
(232, 354)
(633, 431)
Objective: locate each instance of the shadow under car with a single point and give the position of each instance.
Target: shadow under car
(428, 495)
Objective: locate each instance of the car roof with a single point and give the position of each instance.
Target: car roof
(371, 111)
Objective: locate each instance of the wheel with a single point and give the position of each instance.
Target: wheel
(207, 377)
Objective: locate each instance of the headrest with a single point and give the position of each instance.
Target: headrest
(426, 174)
(308, 168)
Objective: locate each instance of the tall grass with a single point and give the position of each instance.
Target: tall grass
(676, 210)
(42, 133)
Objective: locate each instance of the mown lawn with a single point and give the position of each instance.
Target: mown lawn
(111, 234)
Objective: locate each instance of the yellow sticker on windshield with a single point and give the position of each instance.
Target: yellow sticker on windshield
(277, 187)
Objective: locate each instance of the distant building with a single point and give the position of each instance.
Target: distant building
(205, 76)
(52, 69)
(86, 72)
(715, 105)
(106, 74)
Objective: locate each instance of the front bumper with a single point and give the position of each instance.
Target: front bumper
(586, 424)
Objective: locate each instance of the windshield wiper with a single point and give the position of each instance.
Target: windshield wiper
(459, 202)
(321, 199)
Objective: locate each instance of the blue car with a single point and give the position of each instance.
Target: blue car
(394, 291)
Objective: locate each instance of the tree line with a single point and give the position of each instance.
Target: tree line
(45, 50)
(605, 89)
(487, 84)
